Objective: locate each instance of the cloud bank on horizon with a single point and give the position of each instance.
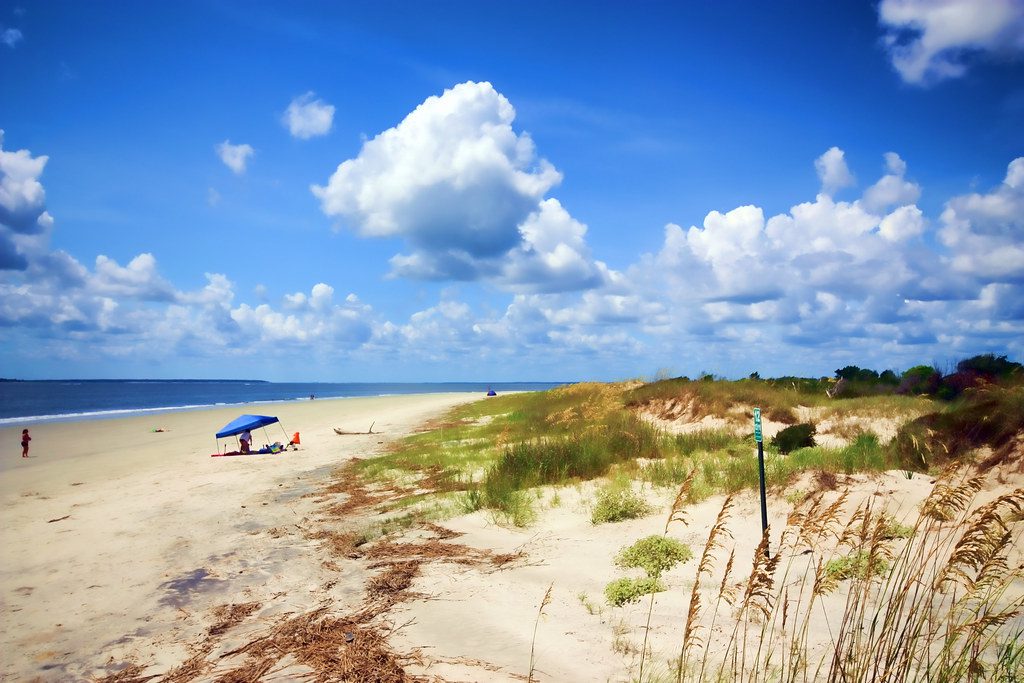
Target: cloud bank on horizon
(466, 197)
(864, 271)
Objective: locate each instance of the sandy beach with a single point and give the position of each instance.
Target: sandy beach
(118, 541)
(132, 555)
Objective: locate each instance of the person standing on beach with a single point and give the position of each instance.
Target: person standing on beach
(25, 438)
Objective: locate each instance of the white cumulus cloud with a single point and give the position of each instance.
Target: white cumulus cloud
(454, 181)
(234, 157)
(932, 40)
(137, 280)
(892, 189)
(23, 216)
(986, 231)
(832, 171)
(308, 117)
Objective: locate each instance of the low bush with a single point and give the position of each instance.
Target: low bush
(654, 554)
(894, 529)
(794, 437)
(621, 591)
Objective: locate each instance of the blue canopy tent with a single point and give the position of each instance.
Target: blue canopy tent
(247, 423)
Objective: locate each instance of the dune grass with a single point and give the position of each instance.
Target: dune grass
(491, 451)
(733, 468)
(718, 396)
(990, 416)
(943, 603)
(937, 601)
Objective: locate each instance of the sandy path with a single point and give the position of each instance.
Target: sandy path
(118, 541)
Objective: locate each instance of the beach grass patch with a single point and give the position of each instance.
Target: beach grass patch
(471, 500)
(858, 565)
(706, 441)
(515, 508)
(671, 471)
(617, 501)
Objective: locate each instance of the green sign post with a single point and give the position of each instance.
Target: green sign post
(760, 469)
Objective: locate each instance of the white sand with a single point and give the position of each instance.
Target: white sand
(151, 533)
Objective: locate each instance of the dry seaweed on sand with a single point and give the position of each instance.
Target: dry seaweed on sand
(335, 649)
(395, 579)
(434, 550)
(231, 615)
(340, 544)
(131, 673)
(442, 533)
(191, 669)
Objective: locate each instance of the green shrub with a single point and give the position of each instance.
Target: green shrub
(617, 501)
(894, 529)
(859, 565)
(989, 365)
(794, 437)
(621, 591)
(654, 554)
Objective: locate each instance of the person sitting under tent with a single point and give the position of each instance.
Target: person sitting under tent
(246, 439)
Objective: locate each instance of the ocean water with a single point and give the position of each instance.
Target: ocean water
(61, 400)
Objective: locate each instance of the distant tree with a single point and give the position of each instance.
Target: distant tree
(920, 379)
(755, 375)
(889, 377)
(988, 365)
(854, 374)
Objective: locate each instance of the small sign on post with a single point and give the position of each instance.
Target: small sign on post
(760, 469)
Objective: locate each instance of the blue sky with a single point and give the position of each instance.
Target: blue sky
(481, 191)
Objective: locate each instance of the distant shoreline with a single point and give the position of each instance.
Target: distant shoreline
(175, 381)
(47, 401)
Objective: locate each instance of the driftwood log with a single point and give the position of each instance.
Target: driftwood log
(342, 432)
